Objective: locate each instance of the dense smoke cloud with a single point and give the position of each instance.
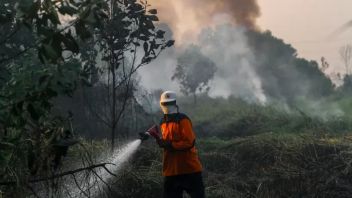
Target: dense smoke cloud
(194, 22)
(243, 12)
(252, 65)
(225, 45)
(187, 18)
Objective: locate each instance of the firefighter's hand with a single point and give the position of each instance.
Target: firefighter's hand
(164, 144)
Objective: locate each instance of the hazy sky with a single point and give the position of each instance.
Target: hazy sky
(307, 25)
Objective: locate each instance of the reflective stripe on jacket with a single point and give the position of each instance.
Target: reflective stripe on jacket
(182, 158)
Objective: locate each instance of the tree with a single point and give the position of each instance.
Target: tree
(285, 76)
(40, 24)
(346, 57)
(324, 64)
(194, 72)
(346, 88)
(39, 61)
(121, 53)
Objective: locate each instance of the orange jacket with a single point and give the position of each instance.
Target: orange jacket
(183, 157)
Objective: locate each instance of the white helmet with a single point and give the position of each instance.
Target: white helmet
(168, 102)
(168, 96)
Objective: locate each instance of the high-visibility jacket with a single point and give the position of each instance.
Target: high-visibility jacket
(182, 158)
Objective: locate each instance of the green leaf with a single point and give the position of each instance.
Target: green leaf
(146, 47)
(90, 19)
(68, 10)
(51, 93)
(153, 17)
(4, 18)
(147, 60)
(5, 158)
(144, 38)
(43, 78)
(29, 8)
(32, 112)
(82, 31)
(170, 43)
(86, 82)
(50, 52)
(41, 55)
(70, 43)
(160, 34)
(75, 3)
(54, 18)
(153, 11)
(137, 44)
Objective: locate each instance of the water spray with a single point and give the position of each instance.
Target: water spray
(117, 160)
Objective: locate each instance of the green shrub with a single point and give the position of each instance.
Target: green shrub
(236, 118)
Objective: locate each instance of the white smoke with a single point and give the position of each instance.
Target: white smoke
(157, 75)
(227, 47)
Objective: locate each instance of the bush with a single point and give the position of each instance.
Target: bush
(236, 118)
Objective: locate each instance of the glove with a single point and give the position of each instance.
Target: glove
(154, 131)
(164, 144)
(143, 136)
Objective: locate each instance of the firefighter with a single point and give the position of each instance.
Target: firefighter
(182, 169)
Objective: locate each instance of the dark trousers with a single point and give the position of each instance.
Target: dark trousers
(191, 183)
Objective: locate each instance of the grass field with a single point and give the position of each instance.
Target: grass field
(251, 150)
(263, 165)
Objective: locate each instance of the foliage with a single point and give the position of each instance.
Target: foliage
(41, 24)
(32, 138)
(346, 89)
(113, 57)
(194, 71)
(285, 76)
(137, 31)
(30, 134)
(346, 57)
(234, 117)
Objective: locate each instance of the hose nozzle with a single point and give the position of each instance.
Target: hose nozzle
(144, 136)
(153, 131)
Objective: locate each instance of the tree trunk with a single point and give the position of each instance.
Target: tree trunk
(194, 98)
(113, 128)
(114, 99)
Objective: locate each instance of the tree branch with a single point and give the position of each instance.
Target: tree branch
(9, 183)
(78, 186)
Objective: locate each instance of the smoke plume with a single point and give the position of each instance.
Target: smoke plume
(187, 18)
(227, 46)
(251, 65)
(218, 27)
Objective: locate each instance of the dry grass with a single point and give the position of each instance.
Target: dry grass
(266, 165)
